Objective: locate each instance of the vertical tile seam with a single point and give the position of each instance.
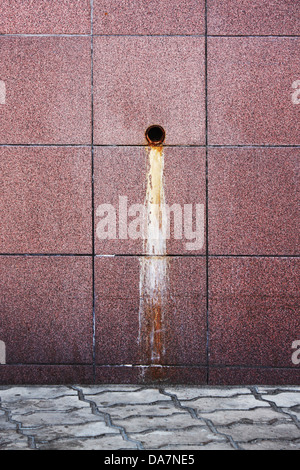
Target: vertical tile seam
(93, 193)
(206, 197)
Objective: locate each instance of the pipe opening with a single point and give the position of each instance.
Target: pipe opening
(155, 135)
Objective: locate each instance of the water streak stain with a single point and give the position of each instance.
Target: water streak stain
(153, 266)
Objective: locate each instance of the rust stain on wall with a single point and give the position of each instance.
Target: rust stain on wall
(153, 268)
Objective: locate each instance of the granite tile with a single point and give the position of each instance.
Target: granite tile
(185, 319)
(46, 200)
(45, 374)
(144, 17)
(253, 311)
(251, 94)
(121, 180)
(159, 80)
(255, 17)
(150, 375)
(48, 90)
(253, 201)
(253, 376)
(45, 17)
(116, 310)
(46, 309)
(125, 330)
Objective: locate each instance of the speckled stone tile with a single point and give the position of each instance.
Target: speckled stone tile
(45, 374)
(44, 17)
(148, 61)
(126, 374)
(140, 81)
(120, 316)
(252, 91)
(254, 311)
(47, 90)
(121, 180)
(144, 17)
(253, 201)
(46, 309)
(265, 17)
(223, 376)
(46, 204)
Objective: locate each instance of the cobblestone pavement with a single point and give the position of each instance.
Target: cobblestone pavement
(128, 417)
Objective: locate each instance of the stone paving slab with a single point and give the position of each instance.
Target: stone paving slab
(272, 445)
(67, 431)
(111, 443)
(10, 440)
(129, 417)
(194, 436)
(252, 417)
(190, 393)
(210, 446)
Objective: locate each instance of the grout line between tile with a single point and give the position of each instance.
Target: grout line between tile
(253, 36)
(48, 254)
(133, 255)
(136, 365)
(206, 197)
(209, 146)
(70, 35)
(93, 191)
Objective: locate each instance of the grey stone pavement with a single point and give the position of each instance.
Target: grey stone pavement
(128, 417)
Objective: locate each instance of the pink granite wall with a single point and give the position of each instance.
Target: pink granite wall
(80, 82)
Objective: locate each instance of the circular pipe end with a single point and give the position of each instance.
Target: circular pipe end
(155, 135)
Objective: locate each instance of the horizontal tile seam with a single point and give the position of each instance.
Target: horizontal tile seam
(252, 366)
(137, 255)
(45, 364)
(212, 146)
(202, 365)
(129, 366)
(80, 35)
